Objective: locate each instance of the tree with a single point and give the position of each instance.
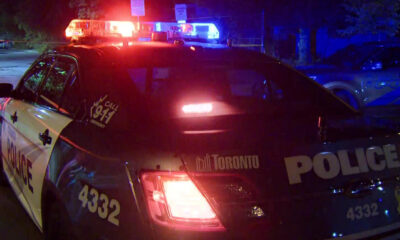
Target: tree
(371, 16)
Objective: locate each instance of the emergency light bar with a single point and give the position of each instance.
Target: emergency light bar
(81, 28)
(200, 30)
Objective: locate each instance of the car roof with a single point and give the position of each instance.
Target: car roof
(93, 53)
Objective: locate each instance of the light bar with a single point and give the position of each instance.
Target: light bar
(80, 28)
(200, 30)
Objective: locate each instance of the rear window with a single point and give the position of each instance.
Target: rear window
(251, 88)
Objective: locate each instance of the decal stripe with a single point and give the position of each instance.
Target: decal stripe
(75, 145)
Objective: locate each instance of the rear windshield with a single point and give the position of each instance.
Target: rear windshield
(267, 88)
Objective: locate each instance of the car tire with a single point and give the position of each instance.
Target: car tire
(3, 180)
(347, 97)
(57, 225)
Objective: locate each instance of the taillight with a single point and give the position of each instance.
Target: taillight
(173, 200)
(198, 108)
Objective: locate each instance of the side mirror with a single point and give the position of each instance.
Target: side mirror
(5, 89)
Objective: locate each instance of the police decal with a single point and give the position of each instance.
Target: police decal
(328, 165)
(216, 162)
(19, 164)
(102, 111)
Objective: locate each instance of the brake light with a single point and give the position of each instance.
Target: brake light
(173, 200)
(197, 108)
(79, 28)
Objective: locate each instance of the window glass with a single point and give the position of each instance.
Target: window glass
(218, 83)
(268, 89)
(53, 88)
(138, 76)
(29, 85)
(72, 102)
(391, 58)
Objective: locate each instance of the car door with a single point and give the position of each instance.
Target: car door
(17, 166)
(381, 81)
(40, 125)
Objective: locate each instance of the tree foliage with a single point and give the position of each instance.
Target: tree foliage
(371, 16)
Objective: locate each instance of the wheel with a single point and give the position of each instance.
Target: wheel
(57, 225)
(3, 180)
(347, 97)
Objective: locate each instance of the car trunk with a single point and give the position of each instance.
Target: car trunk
(294, 179)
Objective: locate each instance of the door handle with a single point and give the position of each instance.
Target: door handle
(14, 117)
(45, 137)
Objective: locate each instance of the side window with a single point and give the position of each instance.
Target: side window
(138, 76)
(72, 101)
(53, 87)
(388, 58)
(28, 87)
(391, 58)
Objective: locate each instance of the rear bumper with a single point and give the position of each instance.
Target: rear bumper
(376, 233)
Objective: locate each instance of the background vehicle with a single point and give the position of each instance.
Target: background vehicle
(6, 44)
(362, 75)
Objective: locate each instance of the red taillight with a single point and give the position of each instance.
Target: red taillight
(173, 200)
(198, 108)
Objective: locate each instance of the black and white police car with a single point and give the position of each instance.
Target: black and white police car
(153, 140)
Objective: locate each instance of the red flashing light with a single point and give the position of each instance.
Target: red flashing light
(174, 201)
(79, 28)
(186, 28)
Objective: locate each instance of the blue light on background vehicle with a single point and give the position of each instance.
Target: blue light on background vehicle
(158, 27)
(213, 32)
(200, 30)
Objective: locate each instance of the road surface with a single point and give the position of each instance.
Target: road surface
(15, 223)
(13, 64)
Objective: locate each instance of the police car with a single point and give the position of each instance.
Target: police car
(108, 138)
(363, 75)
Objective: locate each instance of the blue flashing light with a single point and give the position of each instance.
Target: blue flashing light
(202, 30)
(334, 235)
(380, 188)
(158, 27)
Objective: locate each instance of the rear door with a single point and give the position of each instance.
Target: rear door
(17, 166)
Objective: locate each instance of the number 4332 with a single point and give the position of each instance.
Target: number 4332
(100, 204)
(362, 211)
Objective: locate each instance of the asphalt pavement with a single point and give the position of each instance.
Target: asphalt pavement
(15, 223)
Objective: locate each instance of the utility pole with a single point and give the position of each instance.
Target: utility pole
(263, 31)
